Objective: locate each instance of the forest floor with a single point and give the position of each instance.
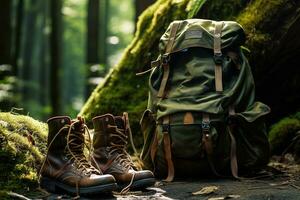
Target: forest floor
(281, 182)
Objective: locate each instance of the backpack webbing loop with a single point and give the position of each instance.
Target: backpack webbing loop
(218, 56)
(166, 57)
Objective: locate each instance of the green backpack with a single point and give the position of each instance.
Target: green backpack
(201, 117)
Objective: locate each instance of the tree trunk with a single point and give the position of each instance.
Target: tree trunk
(93, 32)
(104, 11)
(5, 33)
(17, 35)
(44, 62)
(93, 29)
(55, 55)
(28, 50)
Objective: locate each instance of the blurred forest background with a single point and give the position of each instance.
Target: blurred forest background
(54, 52)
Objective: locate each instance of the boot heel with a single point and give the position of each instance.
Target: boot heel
(48, 185)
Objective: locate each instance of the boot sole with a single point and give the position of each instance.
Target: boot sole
(139, 184)
(54, 186)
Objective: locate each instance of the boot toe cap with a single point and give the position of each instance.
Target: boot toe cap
(95, 180)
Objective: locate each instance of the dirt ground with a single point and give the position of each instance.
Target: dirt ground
(281, 182)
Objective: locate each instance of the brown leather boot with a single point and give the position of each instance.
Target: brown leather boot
(66, 168)
(110, 139)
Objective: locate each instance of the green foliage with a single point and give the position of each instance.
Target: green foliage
(22, 145)
(4, 195)
(122, 90)
(282, 133)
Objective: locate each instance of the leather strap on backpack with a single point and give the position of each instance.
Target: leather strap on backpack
(218, 56)
(233, 157)
(167, 148)
(207, 142)
(165, 59)
(153, 149)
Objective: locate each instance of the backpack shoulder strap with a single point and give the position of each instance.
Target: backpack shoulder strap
(165, 59)
(218, 56)
(172, 37)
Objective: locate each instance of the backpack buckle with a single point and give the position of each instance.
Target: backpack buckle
(165, 59)
(218, 58)
(205, 126)
(165, 128)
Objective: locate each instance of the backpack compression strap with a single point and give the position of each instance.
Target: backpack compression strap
(218, 56)
(165, 59)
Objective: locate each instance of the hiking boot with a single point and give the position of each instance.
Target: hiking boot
(66, 168)
(110, 155)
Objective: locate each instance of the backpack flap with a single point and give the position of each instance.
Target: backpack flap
(200, 33)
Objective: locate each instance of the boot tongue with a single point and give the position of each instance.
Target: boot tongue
(120, 122)
(121, 140)
(77, 137)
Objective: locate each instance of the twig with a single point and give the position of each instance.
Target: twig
(13, 194)
(295, 186)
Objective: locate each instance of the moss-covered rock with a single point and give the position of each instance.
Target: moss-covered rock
(122, 90)
(284, 136)
(268, 25)
(272, 28)
(22, 146)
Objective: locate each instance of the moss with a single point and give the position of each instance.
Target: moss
(222, 10)
(4, 195)
(255, 21)
(122, 90)
(282, 134)
(22, 146)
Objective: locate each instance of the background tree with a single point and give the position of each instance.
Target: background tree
(55, 55)
(5, 33)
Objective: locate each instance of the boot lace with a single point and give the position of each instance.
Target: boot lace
(118, 145)
(75, 146)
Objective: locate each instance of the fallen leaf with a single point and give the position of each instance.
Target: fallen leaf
(206, 190)
(231, 196)
(217, 198)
